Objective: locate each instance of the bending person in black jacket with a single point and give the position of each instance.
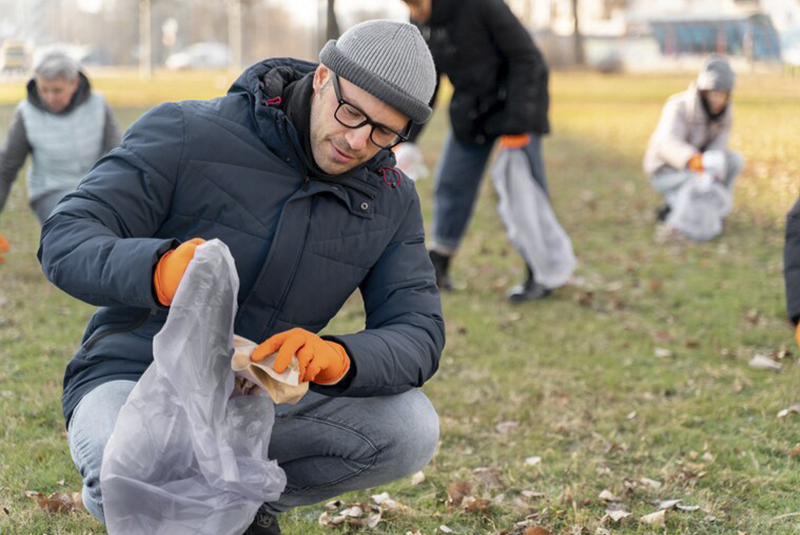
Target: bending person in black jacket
(293, 171)
(791, 266)
(499, 80)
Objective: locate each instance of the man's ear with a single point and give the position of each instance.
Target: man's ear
(321, 76)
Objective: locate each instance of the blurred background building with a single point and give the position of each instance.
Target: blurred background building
(188, 34)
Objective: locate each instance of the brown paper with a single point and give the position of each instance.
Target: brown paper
(282, 387)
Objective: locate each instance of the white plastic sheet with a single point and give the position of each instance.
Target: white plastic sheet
(531, 224)
(184, 458)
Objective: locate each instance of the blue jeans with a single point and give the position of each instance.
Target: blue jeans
(458, 179)
(327, 446)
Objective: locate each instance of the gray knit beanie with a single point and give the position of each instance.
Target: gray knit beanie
(389, 60)
(716, 74)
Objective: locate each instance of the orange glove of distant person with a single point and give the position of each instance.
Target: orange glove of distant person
(696, 163)
(797, 335)
(170, 269)
(3, 248)
(321, 361)
(514, 141)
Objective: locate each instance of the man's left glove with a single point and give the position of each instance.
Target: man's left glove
(170, 269)
(514, 141)
(321, 361)
(3, 248)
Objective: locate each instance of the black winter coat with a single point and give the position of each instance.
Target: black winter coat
(499, 77)
(791, 263)
(229, 168)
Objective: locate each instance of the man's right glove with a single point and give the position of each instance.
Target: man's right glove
(170, 269)
(321, 361)
(3, 248)
(696, 163)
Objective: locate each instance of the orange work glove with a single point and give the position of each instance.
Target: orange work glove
(514, 141)
(321, 361)
(797, 335)
(3, 248)
(170, 269)
(696, 163)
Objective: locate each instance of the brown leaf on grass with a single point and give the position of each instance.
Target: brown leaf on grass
(537, 530)
(752, 316)
(57, 502)
(655, 519)
(662, 337)
(584, 298)
(692, 344)
(474, 505)
(655, 285)
(795, 452)
(607, 496)
(652, 483)
(457, 491)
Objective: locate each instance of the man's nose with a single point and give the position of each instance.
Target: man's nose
(358, 138)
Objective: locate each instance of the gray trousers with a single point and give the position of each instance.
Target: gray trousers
(668, 180)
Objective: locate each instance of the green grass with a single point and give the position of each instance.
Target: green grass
(577, 372)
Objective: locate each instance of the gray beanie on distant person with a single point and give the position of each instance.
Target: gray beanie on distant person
(389, 60)
(716, 75)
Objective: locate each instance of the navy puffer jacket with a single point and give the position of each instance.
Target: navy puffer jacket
(230, 168)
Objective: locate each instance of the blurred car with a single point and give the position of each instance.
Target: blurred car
(206, 55)
(13, 56)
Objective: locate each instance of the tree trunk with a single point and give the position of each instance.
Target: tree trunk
(577, 38)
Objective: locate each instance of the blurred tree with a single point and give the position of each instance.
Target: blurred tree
(577, 38)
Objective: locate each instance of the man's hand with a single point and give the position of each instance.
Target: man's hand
(170, 269)
(321, 361)
(514, 141)
(696, 163)
(3, 248)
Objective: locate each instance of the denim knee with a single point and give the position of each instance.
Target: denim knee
(410, 446)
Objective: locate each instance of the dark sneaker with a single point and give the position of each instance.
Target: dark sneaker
(263, 524)
(662, 213)
(528, 290)
(441, 264)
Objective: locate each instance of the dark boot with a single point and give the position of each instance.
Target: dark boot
(263, 524)
(662, 212)
(528, 290)
(441, 263)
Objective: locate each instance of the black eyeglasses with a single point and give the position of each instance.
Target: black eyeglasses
(351, 117)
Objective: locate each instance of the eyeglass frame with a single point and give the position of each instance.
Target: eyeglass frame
(400, 138)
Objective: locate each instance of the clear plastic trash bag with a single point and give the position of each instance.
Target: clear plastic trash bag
(410, 161)
(529, 219)
(184, 458)
(700, 207)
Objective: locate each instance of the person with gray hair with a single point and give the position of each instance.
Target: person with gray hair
(693, 122)
(293, 170)
(64, 125)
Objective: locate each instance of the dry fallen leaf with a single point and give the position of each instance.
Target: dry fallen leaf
(417, 478)
(762, 362)
(457, 491)
(474, 505)
(537, 530)
(414, 532)
(57, 502)
(533, 460)
(687, 508)
(652, 483)
(505, 428)
(608, 496)
(794, 408)
(489, 476)
(602, 531)
(655, 519)
(662, 353)
(668, 504)
(795, 451)
(617, 515)
(446, 529)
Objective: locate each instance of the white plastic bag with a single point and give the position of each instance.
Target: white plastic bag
(410, 161)
(184, 459)
(700, 207)
(531, 224)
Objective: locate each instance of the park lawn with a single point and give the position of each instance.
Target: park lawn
(545, 405)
